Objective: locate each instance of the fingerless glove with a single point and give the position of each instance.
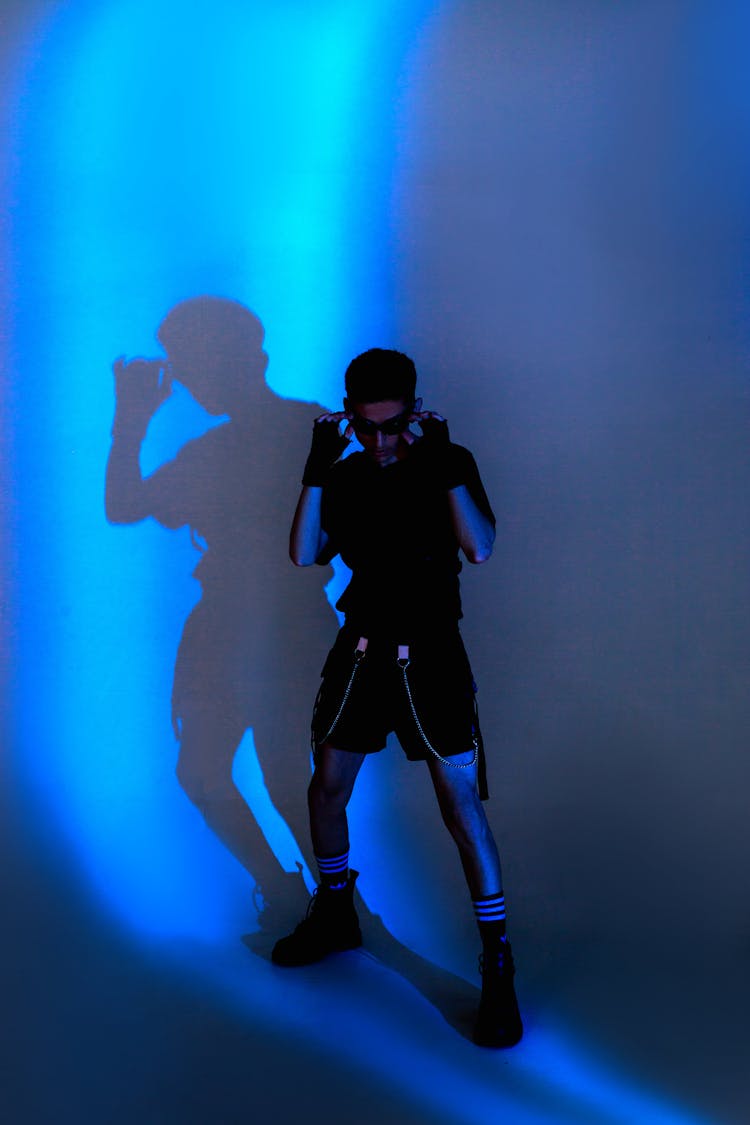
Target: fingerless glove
(452, 465)
(327, 446)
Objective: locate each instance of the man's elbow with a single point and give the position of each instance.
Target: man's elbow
(478, 555)
(299, 556)
(478, 551)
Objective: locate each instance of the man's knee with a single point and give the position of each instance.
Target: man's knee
(327, 794)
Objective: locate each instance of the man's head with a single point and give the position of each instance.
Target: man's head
(381, 374)
(380, 388)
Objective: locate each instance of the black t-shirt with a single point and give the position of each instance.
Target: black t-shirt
(392, 527)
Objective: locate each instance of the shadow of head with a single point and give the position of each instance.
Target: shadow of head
(215, 348)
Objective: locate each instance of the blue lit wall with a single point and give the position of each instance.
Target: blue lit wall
(167, 154)
(546, 204)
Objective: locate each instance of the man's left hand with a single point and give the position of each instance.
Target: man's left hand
(434, 428)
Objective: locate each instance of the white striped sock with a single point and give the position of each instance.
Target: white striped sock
(490, 909)
(331, 867)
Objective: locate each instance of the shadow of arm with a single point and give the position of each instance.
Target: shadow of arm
(140, 389)
(125, 492)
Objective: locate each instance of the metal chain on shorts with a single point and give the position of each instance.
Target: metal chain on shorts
(358, 657)
(403, 665)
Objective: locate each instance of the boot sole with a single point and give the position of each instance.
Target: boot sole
(296, 963)
(497, 1042)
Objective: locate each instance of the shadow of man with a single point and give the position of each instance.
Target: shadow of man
(235, 487)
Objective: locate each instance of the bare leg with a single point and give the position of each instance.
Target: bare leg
(328, 795)
(331, 924)
(498, 1022)
(465, 819)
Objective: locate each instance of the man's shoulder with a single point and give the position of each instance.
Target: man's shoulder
(426, 444)
(424, 451)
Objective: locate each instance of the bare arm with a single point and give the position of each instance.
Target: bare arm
(474, 531)
(307, 538)
(473, 523)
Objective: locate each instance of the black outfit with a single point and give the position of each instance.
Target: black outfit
(392, 527)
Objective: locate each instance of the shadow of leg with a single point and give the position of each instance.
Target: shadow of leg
(454, 998)
(204, 771)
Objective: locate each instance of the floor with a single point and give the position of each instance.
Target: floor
(107, 1031)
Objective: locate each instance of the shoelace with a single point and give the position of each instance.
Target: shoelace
(314, 899)
(312, 903)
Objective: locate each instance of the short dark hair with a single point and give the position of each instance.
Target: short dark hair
(380, 375)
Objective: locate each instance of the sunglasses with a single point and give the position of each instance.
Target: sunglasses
(391, 426)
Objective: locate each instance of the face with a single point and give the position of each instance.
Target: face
(383, 447)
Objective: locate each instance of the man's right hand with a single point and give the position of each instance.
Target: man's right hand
(327, 446)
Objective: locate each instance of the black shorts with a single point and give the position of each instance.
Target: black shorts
(361, 701)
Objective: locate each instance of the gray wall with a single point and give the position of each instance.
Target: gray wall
(571, 273)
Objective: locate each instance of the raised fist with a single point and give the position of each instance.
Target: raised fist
(141, 386)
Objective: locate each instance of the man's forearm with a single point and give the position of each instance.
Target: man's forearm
(307, 538)
(474, 531)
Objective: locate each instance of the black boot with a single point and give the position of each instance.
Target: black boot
(331, 926)
(498, 1019)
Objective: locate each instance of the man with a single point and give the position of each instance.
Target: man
(398, 513)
